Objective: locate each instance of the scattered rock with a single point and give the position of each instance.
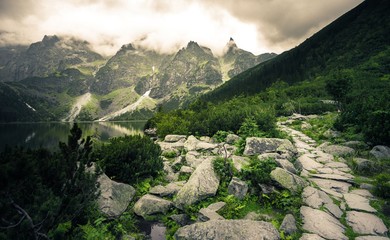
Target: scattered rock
(266, 156)
(202, 183)
(364, 165)
(216, 206)
(289, 225)
(206, 214)
(150, 204)
(337, 186)
(228, 229)
(232, 139)
(238, 188)
(174, 138)
(358, 202)
(191, 143)
(288, 180)
(311, 236)
(287, 165)
(366, 223)
(170, 147)
(206, 139)
(322, 223)
(186, 169)
(306, 125)
(114, 197)
(205, 146)
(355, 144)
(256, 146)
(168, 190)
(194, 159)
(338, 150)
(181, 219)
(239, 162)
(380, 152)
(331, 133)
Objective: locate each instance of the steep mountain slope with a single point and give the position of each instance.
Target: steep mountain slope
(51, 54)
(347, 42)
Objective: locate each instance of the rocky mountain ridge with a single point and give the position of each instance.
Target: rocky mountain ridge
(113, 84)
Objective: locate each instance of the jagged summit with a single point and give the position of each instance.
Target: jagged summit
(230, 46)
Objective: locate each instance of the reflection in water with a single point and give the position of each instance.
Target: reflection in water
(48, 135)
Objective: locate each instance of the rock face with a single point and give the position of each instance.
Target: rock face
(232, 138)
(228, 229)
(149, 204)
(289, 225)
(366, 223)
(321, 223)
(202, 183)
(256, 145)
(380, 152)
(114, 197)
(288, 180)
(238, 188)
(338, 150)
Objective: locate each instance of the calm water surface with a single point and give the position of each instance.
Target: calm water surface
(35, 135)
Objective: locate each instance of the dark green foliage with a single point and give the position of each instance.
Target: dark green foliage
(258, 172)
(285, 200)
(131, 158)
(50, 188)
(220, 136)
(382, 185)
(224, 169)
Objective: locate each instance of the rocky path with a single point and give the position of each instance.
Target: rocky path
(333, 203)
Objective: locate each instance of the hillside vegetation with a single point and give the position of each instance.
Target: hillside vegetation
(346, 62)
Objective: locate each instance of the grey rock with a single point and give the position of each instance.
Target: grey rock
(289, 225)
(371, 238)
(174, 138)
(338, 150)
(362, 192)
(331, 133)
(358, 202)
(355, 144)
(380, 152)
(315, 198)
(114, 197)
(206, 139)
(337, 186)
(256, 146)
(239, 162)
(150, 204)
(202, 183)
(186, 169)
(191, 143)
(205, 146)
(336, 177)
(181, 219)
(307, 163)
(169, 147)
(216, 206)
(334, 210)
(232, 138)
(194, 159)
(266, 156)
(228, 229)
(287, 165)
(206, 214)
(367, 186)
(311, 236)
(366, 223)
(322, 223)
(168, 190)
(364, 165)
(306, 125)
(238, 188)
(288, 180)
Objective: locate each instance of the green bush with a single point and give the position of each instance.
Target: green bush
(258, 172)
(382, 185)
(130, 159)
(220, 136)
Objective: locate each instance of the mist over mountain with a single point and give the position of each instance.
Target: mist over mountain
(58, 71)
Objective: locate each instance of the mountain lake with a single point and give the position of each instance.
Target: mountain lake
(48, 134)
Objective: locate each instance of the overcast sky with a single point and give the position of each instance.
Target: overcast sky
(166, 25)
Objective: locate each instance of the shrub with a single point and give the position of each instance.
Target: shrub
(130, 159)
(382, 185)
(258, 172)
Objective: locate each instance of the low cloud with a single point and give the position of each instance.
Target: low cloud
(256, 25)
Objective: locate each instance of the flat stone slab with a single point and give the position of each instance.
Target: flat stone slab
(315, 198)
(228, 229)
(358, 202)
(336, 165)
(333, 177)
(307, 163)
(322, 223)
(337, 186)
(362, 192)
(311, 236)
(371, 238)
(334, 210)
(366, 223)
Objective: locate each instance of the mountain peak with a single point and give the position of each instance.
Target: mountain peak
(50, 39)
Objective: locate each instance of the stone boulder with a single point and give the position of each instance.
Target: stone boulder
(287, 165)
(238, 188)
(289, 225)
(366, 223)
(364, 165)
(150, 204)
(380, 152)
(338, 150)
(288, 180)
(239, 162)
(194, 159)
(228, 229)
(256, 146)
(232, 138)
(202, 184)
(174, 138)
(168, 190)
(114, 197)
